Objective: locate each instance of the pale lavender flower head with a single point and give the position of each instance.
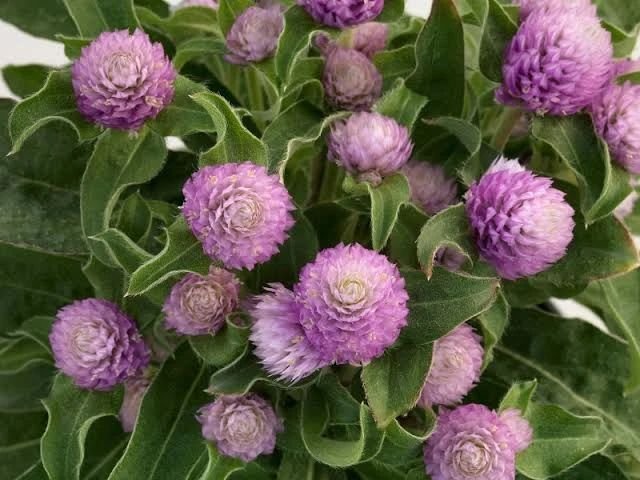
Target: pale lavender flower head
(431, 188)
(342, 13)
(134, 390)
(122, 80)
(254, 35)
(241, 426)
(616, 114)
(213, 4)
(369, 145)
(557, 63)
(353, 304)
(96, 344)
(279, 339)
(350, 80)
(455, 367)
(239, 212)
(368, 38)
(199, 304)
(472, 443)
(521, 224)
(521, 431)
(626, 66)
(529, 6)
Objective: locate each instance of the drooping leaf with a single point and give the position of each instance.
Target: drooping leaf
(92, 17)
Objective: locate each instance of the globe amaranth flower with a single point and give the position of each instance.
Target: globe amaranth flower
(626, 66)
(475, 443)
(342, 13)
(122, 80)
(521, 224)
(134, 390)
(239, 212)
(431, 188)
(557, 63)
(455, 367)
(616, 114)
(241, 426)
(278, 336)
(529, 6)
(254, 35)
(353, 304)
(199, 305)
(368, 38)
(369, 145)
(96, 344)
(213, 4)
(450, 258)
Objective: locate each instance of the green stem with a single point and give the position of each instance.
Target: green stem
(508, 121)
(256, 100)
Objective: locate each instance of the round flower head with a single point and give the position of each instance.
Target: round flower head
(353, 304)
(522, 225)
(239, 212)
(557, 63)
(616, 114)
(472, 443)
(521, 431)
(213, 4)
(241, 426)
(122, 80)
(529, 6)
(342, 13)
(368, 38)
(97, 344)
(281, 344)
(199, 305)
(369, 145)
(625, 67)
(134, 390)
(431, 188)
(450, 258)
(254, 35)
(350, 80)
(455, 367)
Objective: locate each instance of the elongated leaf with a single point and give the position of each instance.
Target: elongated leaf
(402, 242)
(24, 80)
(219, 466)
(602, 186)
(167, 440)
(401, 104)
(494, 322)
(92, 17)
(498, 30)
(298, 27)
(386, 200)
(23, 391)
(72, 411)
(20, 354)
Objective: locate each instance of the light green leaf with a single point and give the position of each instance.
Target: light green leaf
(219, 466)
(494, 322)
(225, 346)
(401, 104)
(402, 446)
(386, 200)
(498, 29)
(519, 396)
(197, 48)
(298, 27)
(122, 251)
(183, 24)
(92, 17)
(37, 18)
(25, 80)
(620, 12)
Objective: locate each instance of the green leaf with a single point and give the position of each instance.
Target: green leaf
(135, 218)
(24, 80)
(401, 104)
(197, 48)
(469, 136)
(104, 445)
(519, 396)
(602, 186)
(118, 161)
(92, 17)
(392, 11)
(448, 228)
(107, 282)
(498, 31)
(181, 254)
(183, 24)
(20, 444)
(402, 242)
(223, 347)
(235, 142)
(72, 411)
(620, 12)
(42, 19)
(439, 73)
(596, 467)
(54, 102)
(395, 64)
(219, 466)
(122, 251)
(494, 322)
(623, 42)
(23, 391)
(167, 440)
(386, 200)
(229, 10)
(298, 27)
(22, 353)
(403, 444)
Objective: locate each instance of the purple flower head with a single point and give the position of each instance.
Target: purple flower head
(351, 81)
(521, 431)
(455, 367)
(616, 114)
(353, 304)
(97, 344)
(241, 426)
(122, 80)
(557, 63)
(239, 212)
(369, 145)
(342, 13)
(254, 35)
(199, 305)
(450, 258)
(281, 344)
(134, 390)
(472, 443)
(213, 4)
(529, 6)
(368, 38)
(626, 66)
(431, 188)
(522, 225)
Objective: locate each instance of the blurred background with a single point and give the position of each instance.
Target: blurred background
(19, 48)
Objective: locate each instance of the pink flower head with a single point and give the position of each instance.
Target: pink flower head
(342, 13)
(254, 35)
(529, 6)
(368, 38)
(431, 188)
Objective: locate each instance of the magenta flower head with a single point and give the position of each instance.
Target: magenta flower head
(558, 62)
(626, 66)
(342, 13)
(254, 35)
(369, 145)
(122, 80)
(239, 212)
(96, 344)
(279, 339)
(474, 443)
(522, 225)
(616, 114)
(199, 305)
(431, 188)
(455, 367)
(368, 38)
(241, 426)
(134, 390)
(529, 6)
(213, 4)
(353, 304)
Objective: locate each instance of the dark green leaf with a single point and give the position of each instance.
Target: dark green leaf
(24, 391)
(42, 19)
(183, 24)
(395, 64)
(219, 466)
(494, 322)
(20, 444)
(223, 347)
(297, 31)
(402, 242)
(24, 80)
(198, 48)
(386, 200)
(498, 30)
(402, 445)
(92, 17)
